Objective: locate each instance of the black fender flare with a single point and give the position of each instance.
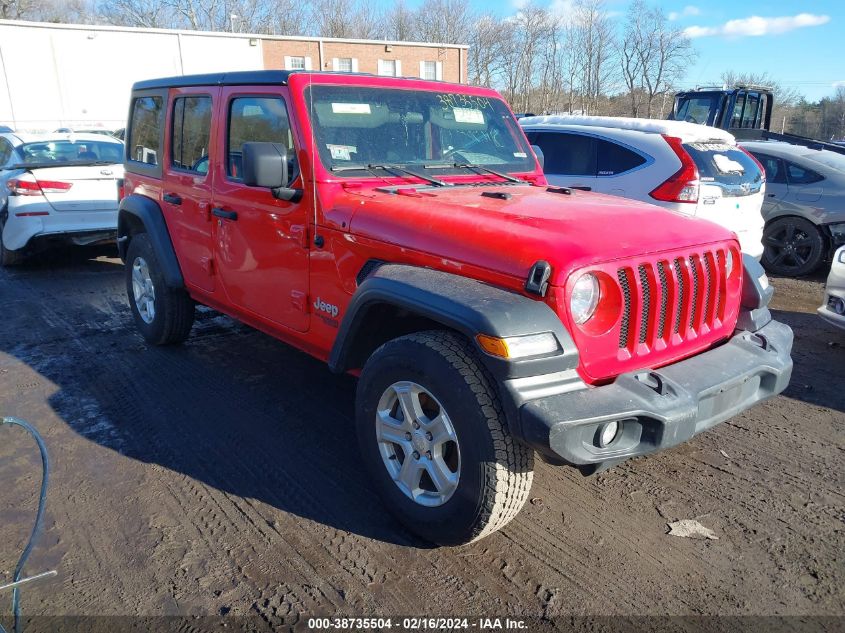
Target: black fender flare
(147, 211)
(465, 305)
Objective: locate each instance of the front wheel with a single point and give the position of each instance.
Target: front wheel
(163, 315)
(792, 247)
(434, 439)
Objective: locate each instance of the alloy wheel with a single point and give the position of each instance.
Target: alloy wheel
(418, 443)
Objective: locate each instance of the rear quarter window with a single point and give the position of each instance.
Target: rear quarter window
(726, 165)
(614, 159)
(145, 130)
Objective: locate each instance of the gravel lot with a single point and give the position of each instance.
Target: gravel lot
(222, 478)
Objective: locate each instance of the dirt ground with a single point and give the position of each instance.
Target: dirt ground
(221, 478)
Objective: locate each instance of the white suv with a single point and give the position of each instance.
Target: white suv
(693, 169)
(57, 187)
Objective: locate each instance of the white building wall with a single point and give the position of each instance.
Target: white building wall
(71, 76)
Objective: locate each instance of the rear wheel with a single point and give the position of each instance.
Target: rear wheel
(8, 257)
(792, 247)
(164, 315)
(433, 437)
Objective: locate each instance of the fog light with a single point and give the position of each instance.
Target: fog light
(837, 305)
(608, 433)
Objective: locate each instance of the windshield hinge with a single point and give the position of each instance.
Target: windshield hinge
(538, 278)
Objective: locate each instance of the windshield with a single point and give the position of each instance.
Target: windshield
(695, 109)
(67, 151)
(831, 159)
(378, 126)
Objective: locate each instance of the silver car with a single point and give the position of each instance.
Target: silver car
(804, 207)
(832, 309)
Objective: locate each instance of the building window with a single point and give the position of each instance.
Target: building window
(389, 68)
(431, 70)
(297, 63)
(344, 64)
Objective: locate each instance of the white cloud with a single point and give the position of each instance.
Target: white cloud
(687, 11)
(755, 26)
(838, 84)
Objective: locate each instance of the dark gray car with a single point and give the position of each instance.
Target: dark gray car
(804, 207)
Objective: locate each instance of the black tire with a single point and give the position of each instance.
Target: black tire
(792, 247)
(173, 314)
(8, 257)
(495, 471)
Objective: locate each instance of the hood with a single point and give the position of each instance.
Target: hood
(508, 234)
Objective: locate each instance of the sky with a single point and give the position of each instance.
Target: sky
(799, 43)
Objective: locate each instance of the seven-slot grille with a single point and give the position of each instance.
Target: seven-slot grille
(672, 299)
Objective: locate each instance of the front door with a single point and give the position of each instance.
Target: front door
(261, 249)
(186, 194)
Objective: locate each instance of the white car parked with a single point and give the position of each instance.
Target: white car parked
(693, 169)
(833, 308)
(57, 187)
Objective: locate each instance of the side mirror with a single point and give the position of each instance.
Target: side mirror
(266, 165)
(540, 157)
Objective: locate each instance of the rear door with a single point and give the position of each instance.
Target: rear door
(261, 244)
(777, 187)
(570, 158)
(805, 184)
(615, 167)
(187, 181)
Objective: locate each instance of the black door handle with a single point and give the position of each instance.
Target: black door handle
(222, 213)
(172, 198)
(581, 188)
(771, 195)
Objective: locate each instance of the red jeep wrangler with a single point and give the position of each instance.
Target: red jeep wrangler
(402, 230)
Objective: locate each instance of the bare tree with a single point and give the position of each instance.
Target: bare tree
(346, 18)
(446, 21)
(595, 39)
(400, 23)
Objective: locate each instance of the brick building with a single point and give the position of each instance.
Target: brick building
(75, 75)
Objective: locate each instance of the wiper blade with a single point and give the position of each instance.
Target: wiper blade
(403, 170)
(507, 177)
(388, 168)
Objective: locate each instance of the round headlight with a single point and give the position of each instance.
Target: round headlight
(729, 263)
(585, 298)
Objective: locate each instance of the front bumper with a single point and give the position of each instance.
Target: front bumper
(660, 408)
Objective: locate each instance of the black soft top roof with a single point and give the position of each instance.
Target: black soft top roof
(249, 77)
(239, 78)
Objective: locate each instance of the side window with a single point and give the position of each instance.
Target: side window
(775, 169)
(801, 176)
(190, 135)
(145, 130)
(736, 117)
(749, 115)
(613, 159)
(567, 154)
(5, 152)
(257, 119)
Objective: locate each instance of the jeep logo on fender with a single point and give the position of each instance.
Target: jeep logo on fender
(328, 308)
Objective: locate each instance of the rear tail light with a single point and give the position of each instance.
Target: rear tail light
(682, 186)
(24, 185)
(27, 185)
(121, 189)
(756, 162)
